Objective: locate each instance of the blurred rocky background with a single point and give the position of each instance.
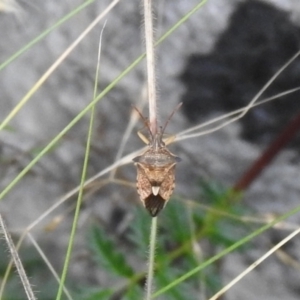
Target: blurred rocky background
(215, 62)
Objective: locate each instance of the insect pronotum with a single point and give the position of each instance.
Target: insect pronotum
(155, 169)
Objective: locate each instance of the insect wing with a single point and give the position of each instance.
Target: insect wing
(143, 184)
(168, 184)
(154, 204)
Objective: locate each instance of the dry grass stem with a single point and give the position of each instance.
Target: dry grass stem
(184, 134)
(17, 261)
(47, 262)
(56, 64)
(254, 265)
(150, 55)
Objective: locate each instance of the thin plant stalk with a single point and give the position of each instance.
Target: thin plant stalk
(151, 81)
(151, 259)
(123, 161)
(253, 101)
(226, 251)
(47, 262)
(253, 105)
(131, 123)
(74, 12)
(152, 98)
(83, 177)
(9, 267)
(150, 59)
(77, 210)
(117, 79)
(55, 65)
(51, 144)
(255, 264)
(280, 225)
(287, 134)
(184, 134)
(9, 6)
(17, 261)
(126, 159)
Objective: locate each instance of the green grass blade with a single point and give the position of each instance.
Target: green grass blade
(181, 21)
(88, 107)
(97, 295)
(83, 177)
(55, 65)
(45, 33)
(77, 210)
(226, 251)
(151, 260)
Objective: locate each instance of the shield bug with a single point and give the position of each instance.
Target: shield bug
(155, 169)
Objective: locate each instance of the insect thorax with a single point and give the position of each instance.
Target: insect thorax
(160, 158)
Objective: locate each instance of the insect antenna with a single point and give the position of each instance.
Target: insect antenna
(146, 122)
(171, 115)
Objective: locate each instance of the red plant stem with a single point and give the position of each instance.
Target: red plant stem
(274, 148)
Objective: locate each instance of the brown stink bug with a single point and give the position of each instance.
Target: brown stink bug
(155, 169)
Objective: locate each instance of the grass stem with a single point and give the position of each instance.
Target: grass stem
(149, 283)
(149, 36)
(82, 182)
(17, 261)
(150, 59)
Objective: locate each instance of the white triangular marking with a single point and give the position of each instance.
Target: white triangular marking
(155, 190)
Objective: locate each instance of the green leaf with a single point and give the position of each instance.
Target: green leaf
(226, 232)
(213, 192)
(140, 231)
(108, 255)
(134, 293)
(96, 294)
(176, 222)
(212, 279)
(182, 291)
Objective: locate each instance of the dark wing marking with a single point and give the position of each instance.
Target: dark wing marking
(154, 204)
